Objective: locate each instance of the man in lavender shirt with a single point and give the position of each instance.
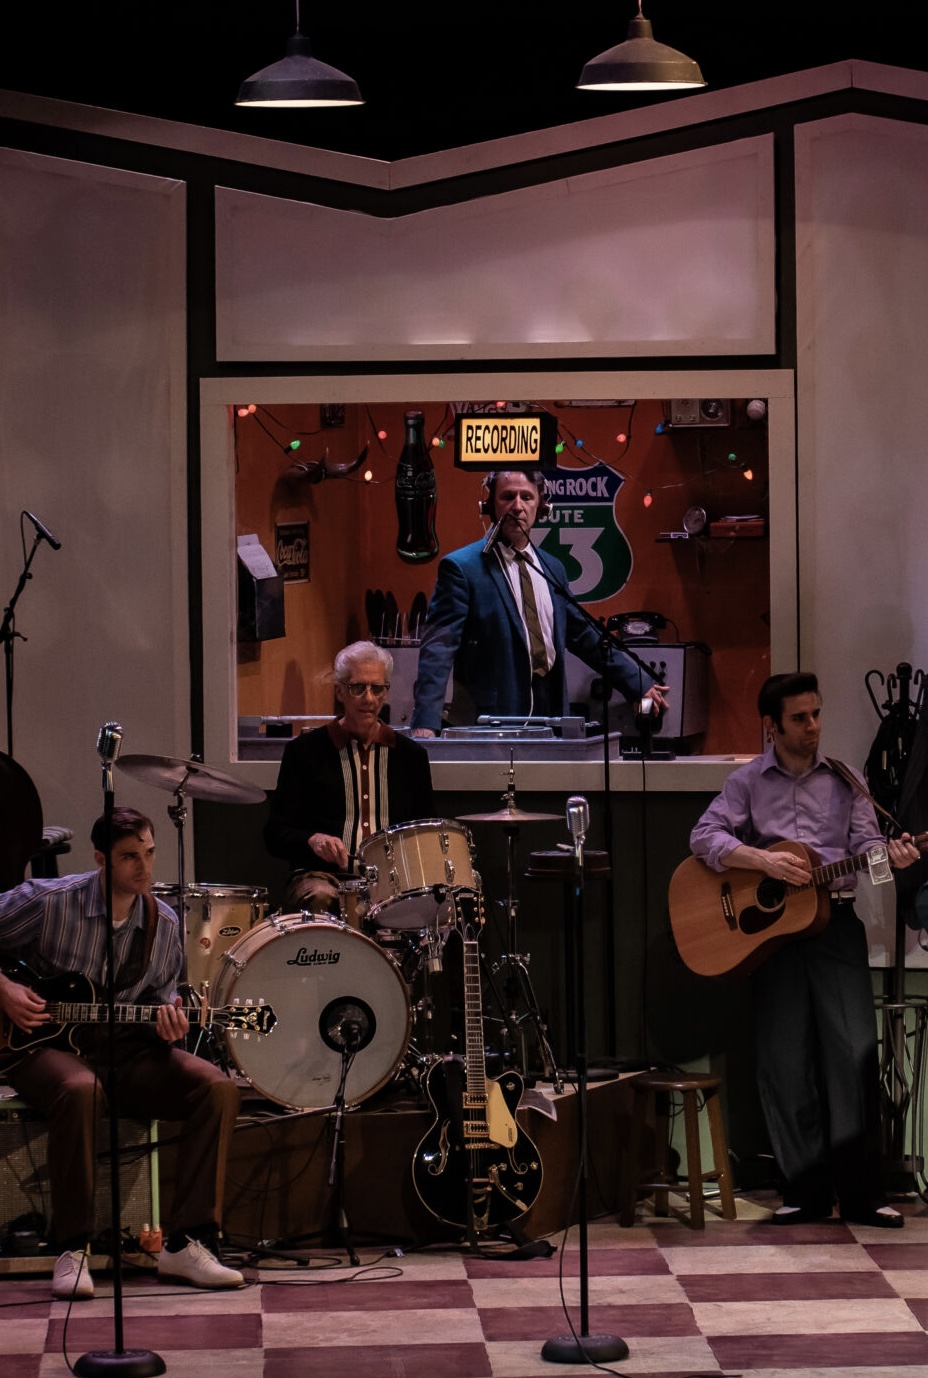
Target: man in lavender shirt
(817, 1060)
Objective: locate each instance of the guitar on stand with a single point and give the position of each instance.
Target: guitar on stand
(475, 1169)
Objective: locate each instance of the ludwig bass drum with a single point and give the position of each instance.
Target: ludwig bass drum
(330, 988)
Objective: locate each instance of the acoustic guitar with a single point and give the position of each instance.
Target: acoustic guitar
(475, 1168)
(725, 923)
(72, 1002)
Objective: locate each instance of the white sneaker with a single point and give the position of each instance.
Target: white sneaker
(195, 1265)
(71, 1280)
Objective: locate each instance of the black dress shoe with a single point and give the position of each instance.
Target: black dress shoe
(885, 1218)
(800, 1215)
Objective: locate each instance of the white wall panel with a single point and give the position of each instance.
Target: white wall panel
(863, 340)
(92, 438)
(670, 257)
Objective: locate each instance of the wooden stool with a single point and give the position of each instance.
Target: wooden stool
(653, 1091)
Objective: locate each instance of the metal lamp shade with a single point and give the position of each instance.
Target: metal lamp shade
(299, 80)
(640, 64)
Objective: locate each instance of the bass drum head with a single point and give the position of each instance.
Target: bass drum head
(327, 985)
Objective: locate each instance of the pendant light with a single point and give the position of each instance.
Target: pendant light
(298, 80)
(641, 64)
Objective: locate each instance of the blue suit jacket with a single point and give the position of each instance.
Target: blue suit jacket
(475, 628)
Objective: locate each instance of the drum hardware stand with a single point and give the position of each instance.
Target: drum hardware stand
(518, 984)
(206, 1042)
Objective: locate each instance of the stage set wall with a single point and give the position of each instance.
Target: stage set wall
(94, 436)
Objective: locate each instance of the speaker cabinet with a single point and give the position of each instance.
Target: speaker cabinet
(24, 1186)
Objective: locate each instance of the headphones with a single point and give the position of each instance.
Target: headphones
(487, 504)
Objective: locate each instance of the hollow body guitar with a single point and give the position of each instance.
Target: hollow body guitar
(72, 1002)
(475, 1169)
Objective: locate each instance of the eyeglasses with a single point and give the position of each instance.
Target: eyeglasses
(359, 687)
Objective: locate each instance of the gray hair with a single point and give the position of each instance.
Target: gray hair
(358, 651)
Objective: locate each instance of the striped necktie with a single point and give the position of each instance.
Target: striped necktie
(536, 640)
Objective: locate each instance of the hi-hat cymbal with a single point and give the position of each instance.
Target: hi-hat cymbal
(197, 780)
(507, 815)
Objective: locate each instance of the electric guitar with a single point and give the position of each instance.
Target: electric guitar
(72, 1002)
(476, 1168)
(726, 922)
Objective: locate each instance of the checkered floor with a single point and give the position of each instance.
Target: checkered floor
(812, 1301)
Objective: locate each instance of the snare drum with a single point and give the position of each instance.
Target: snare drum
(409, 868)
(327, 986)
(352, 901)
(215, 916)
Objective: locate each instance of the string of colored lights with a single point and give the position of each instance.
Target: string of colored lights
(568, 442)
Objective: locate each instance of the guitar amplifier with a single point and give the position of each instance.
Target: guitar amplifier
(24, 1188)
(685, 670)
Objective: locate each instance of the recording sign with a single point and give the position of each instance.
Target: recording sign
(526, 441)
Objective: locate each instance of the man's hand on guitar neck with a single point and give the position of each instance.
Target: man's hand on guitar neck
(21, 1005)
(902, 851)
(171, 1022)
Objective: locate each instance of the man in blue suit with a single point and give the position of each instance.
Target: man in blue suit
(497, 622)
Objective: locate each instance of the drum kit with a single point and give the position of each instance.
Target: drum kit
(362, 981)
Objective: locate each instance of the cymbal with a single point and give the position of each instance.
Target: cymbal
(197, 780)
(507, 815)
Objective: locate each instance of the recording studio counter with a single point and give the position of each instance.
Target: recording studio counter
(572, 774)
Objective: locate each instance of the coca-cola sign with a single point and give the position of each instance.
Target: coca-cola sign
(291, 551)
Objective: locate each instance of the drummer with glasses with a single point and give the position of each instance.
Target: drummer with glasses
(343, 782)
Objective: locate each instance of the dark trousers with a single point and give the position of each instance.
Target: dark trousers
(818, 1066)
(546, 701)
(157, 1082)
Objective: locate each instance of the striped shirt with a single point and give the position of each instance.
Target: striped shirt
(364, 776)
(59, 926)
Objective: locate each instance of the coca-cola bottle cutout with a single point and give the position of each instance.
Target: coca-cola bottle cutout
(416, 497)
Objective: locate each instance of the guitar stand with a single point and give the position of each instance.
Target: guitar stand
(523, 1246)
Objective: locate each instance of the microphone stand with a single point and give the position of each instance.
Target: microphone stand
(607, 642)
(127, 1363)
(582, 1348)
(337, 1162)
(8, 635)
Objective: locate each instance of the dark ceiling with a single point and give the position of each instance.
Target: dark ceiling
(432, 78)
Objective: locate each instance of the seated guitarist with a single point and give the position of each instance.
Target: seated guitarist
(815, 1025)
(57, 927)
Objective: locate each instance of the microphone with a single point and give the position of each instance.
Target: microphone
(346, 1026)
(109, 741)
(44, 533)
(578, 818)
(492, 536)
